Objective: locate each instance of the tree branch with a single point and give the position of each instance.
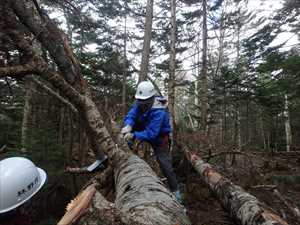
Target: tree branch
(18, 70)
(51, 38)
(55, 94)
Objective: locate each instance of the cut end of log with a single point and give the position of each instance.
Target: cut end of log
(78, 206)
(268, 215)
(213, 176)
(194, 158)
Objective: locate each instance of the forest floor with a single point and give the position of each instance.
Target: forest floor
(258, 174)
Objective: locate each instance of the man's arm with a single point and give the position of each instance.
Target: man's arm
(131, 116)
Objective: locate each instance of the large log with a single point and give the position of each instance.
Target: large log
(242, 206)
(141, 194)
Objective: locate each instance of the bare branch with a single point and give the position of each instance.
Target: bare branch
(55, 94)
(154, 84)
(3, 148)
(77, 170)
(18, 70)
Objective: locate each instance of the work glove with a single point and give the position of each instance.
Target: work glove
(126, 129)
(128, 137)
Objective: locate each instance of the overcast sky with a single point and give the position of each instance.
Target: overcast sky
(267, 8)
(262, 8)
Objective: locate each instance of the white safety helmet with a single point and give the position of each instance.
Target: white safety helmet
(145, 90)
(20, 179)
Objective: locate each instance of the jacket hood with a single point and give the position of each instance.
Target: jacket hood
(160, 102)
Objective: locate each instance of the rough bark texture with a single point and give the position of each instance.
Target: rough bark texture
(141, 195)
(101, 212)
(243, 207)
(147, 41)
(27, 112)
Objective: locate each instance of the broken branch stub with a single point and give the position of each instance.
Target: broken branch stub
(78, 206)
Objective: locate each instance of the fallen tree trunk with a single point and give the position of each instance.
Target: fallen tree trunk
(141, 194)
(243, 207)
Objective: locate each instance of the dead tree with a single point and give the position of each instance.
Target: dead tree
(140, 196)
(243, 207)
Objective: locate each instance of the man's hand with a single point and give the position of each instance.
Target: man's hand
(128, 137)
(126, 129)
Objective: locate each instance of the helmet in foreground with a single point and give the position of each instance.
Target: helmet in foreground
(20, 179)
(145, 90)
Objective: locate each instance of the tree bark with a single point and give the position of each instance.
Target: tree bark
(147, 40)
(243, 207)
(171, 85)
(288, 132)
(203, 78)
(27, 112)
(124, 108)
(238, 139)
(61, 126)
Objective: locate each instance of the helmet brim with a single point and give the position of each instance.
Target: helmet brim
(43, 177)
(140, 97)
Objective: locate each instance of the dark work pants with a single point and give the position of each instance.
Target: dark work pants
(164, 160)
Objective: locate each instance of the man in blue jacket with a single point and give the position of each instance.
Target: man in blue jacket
(148, 120)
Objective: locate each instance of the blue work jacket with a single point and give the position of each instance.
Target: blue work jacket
(151, 125)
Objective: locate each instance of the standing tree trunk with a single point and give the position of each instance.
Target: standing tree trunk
(203, 78)
(29, 89)
(124, 109)
(171, 84)
(262, 128)
(224, 116)
(147, 40)
(288, 131)
(219, 66)
(237, 131)
(61, 126)
(27, 112)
